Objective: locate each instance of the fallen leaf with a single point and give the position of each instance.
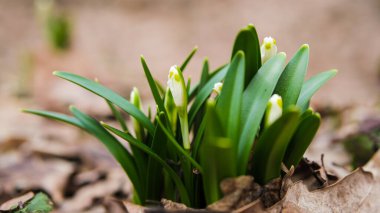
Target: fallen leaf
(357, 192)
(29, 202)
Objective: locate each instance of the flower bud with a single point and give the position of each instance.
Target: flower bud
(268, 49)
(177, 87)
(218, 88)
(274, 110)
(136, 100)
(171, 109)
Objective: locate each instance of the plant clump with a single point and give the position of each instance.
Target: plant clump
(247, 117)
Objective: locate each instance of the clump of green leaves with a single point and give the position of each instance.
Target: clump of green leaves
(257, 118)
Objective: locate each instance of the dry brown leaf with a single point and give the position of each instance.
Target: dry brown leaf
(357, 192)
(35, 173)
(85, 196)
(10, 204)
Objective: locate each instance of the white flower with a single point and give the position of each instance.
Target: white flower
(268, 49)
(177, 86)
(274, 109)
(218, 87)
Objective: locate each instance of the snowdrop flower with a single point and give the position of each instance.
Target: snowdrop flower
(218, 87)
(274, 110)
(177, 87)
(268, 49)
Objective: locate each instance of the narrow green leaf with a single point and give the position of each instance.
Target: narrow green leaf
(181, 188)
(179, 149)
(255, 99)
(197, 88)
(160, 87)
(205, 74)
(153, 86)
(311, 86)
(110, 95)
(290, 83)
(270, 149)
(248, 42)
(55, 116)
(188, 86)
(217, 154)
(198, 138)
(229, 101)
(205, 93)
(116, 113)
(301, 139)
(154, 170)
(187, 60)
(118, 151)
(121, 154)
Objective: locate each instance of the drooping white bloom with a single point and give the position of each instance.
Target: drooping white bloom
(177, 86)
(274, 109)
(218, 87)
(268, 49)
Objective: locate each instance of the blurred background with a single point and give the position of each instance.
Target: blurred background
(104, 39)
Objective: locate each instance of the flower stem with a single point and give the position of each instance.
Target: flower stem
(184, 128)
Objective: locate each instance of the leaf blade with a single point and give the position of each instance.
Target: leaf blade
(290, 83)
(108, 94)
(255, 99)
(229, 100)
(118, 151)
(153, 86)
(188, 58)
(271, 147)
(146, 149)
(301, 139)
(248, 42)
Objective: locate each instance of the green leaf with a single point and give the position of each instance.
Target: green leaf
(290, 83)
(181, 188)
(109, 95)
(229, 101)
(255, 99)
(117, 115)
(205, 93)
(160, 88)
(311, 86)
(90, 125)
(118, 151)
(217, 154)
(188, 85)
(55, 116)
(187, 60)
(205, 74)
(270, 149)
(301, 139)
(197, 88)
(198, 138)
(179, 149)
(154, 171)
(153, 86)
(248, 42)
